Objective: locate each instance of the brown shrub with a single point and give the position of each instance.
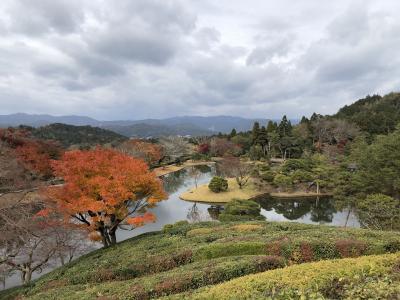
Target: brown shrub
(173, 285)
(269, 262)
(103, 274)
(350, 248)
(276, 247)
(54, 284)
(306, 251)
(138, 292)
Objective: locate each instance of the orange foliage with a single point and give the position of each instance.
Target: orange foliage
(35, 155)
(105, 189)
(149, 152)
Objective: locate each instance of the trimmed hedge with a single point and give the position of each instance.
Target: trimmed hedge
(179, 280)
(184, 248)
(372, 277)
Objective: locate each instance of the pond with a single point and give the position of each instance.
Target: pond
(172, 210)
(303, 210)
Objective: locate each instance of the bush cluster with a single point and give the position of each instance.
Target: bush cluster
(187, 256)
(218, 184)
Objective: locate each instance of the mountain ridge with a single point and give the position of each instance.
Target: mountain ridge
(183, 125)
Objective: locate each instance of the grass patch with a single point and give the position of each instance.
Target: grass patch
(203, 194)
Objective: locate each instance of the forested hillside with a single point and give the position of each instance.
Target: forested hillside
(373, 114)
(80, 136)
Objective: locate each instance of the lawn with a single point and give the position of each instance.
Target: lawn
(203, 194)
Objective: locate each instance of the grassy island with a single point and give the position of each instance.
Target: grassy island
(203, 194)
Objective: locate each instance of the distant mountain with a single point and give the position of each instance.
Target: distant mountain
(82, 136)
(41, 120)
(154, 130)
(186, 125)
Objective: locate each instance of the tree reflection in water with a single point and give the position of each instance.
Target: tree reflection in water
(173, 181)
(321, 210)
(214, 211)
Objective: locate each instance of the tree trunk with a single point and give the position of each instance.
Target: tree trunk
(347, 217)
(113, 237)
(317, 188)
(26, 276)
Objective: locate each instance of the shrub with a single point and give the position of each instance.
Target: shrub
(103, 274)
(246, 227)
(218, 184)
(241, 210)
(199, 231)
(380, 212)
(267, 176)
(229, 249)
(179, 228)
(283, 181)
(292, 165)
(350, 248)
(269, 262)
(367, 277)
(173, 285)
(138, 292)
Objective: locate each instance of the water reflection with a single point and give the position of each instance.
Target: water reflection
(307, 210)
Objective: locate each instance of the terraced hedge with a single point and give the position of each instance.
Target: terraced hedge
(368, 277)
(188, 256)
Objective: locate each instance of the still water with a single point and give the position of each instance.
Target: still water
(310, 211)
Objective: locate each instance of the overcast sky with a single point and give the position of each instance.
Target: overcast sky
(133, 59)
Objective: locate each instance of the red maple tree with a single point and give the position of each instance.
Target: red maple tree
(104, 190)
(151, 153)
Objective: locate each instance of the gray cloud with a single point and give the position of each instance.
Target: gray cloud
(157, 58)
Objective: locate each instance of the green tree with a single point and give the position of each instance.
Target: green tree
(255, 132)
(218, 184)
(321, 172)
(283, 181)
(379, 211)
(262, 140)
(378, 164)
(233, 133)
(285, 127)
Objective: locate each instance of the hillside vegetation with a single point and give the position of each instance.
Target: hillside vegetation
(82, 136)
(185, 257)
(373, 114)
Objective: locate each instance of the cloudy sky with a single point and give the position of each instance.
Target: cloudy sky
(133, 59)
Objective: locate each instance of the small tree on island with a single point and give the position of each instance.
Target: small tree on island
(231, 166)
(218, 184)
(104, 190)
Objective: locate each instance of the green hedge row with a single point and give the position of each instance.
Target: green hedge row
(368, 277)
(176, 281)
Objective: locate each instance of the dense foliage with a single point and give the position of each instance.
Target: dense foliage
(189, 256)
(77, 136)
(374, 114)
(375, 277)
(104, 190)
(218, 184)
